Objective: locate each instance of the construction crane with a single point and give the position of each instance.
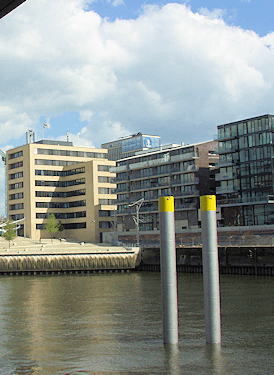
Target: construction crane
(4, 158)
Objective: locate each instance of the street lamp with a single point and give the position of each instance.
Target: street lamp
(136, 218)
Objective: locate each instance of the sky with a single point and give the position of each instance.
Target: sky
(103, 69)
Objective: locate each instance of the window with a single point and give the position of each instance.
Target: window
(17, 217)
(16, 186)
(104, 213)
(16, 165)
(66, 226)
(60, 204)
(60, 194)
(61, 216)
(107, 201)
(82, 154)
(17, 196)
(106, 191)
(18, 206)
(105, 224)
(103, 168)
(106, 179)
(59, 163)
(16, 155)
(15, 175)
(60, 183)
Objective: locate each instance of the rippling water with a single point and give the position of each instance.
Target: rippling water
(112, 324)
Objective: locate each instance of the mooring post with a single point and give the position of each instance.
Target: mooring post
(168, 270)
(210, 269)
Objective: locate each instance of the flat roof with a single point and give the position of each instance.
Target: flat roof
(6, 6)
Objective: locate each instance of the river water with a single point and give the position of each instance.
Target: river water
(112, 324)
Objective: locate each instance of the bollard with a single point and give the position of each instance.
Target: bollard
(210, 270)
(168, 270)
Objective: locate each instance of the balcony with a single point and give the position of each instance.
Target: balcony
(246, 201)
(226, 189)
(150, 163)
(225, 150)
(225, 176)
(121, 178)
(120, 189)
(178, 181)
(185, 206)
(225, 163)
(182, 157)
(195, 193)
(121, 168)
(227, 135)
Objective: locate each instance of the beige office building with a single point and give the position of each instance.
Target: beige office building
(73, 183)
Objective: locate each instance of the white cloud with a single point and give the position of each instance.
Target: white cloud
(116, 3)
(216, 13)
(79, 139)
(169, 67)
(170, 72)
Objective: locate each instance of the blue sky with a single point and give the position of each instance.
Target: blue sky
(108, 68)
(248, 14)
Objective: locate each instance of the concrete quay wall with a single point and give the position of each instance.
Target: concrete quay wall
(243, 260)
(28, 257)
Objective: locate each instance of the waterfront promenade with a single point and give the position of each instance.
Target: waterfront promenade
(25, 255)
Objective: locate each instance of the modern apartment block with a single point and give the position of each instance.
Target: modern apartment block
(245, 194)
(73, 183)
(181, 171)
(127, 146)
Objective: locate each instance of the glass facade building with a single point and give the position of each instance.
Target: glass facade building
(127, 146)
(180, 171)
(245, 194)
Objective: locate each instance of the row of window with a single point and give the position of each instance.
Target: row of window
(256, 167)
(66, 226)
(105, 224)
(107, 201)
(17, 217)
(61, 216)
(39, 172)
(81, 154)
(16, 165)
(16, 175)
(16, 155)
(60, 194)
(102, 190)
(106, 179)
(60, 204)
(104, 213)
(255, 154)
(16, 196)
(104, 168)
(79, 181)
(250, 126)
(18, 185)
(17, 206)
(59, 163)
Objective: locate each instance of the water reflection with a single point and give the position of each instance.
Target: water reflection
(172, 359)
(214, 355)
(112, 323)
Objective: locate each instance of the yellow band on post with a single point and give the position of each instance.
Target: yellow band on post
(208, 203)
(166, 204)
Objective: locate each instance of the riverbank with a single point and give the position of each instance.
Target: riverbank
(25, 256)
(234, 260)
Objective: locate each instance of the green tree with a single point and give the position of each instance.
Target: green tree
(10, 231)
(52, 226)
(60, 226)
